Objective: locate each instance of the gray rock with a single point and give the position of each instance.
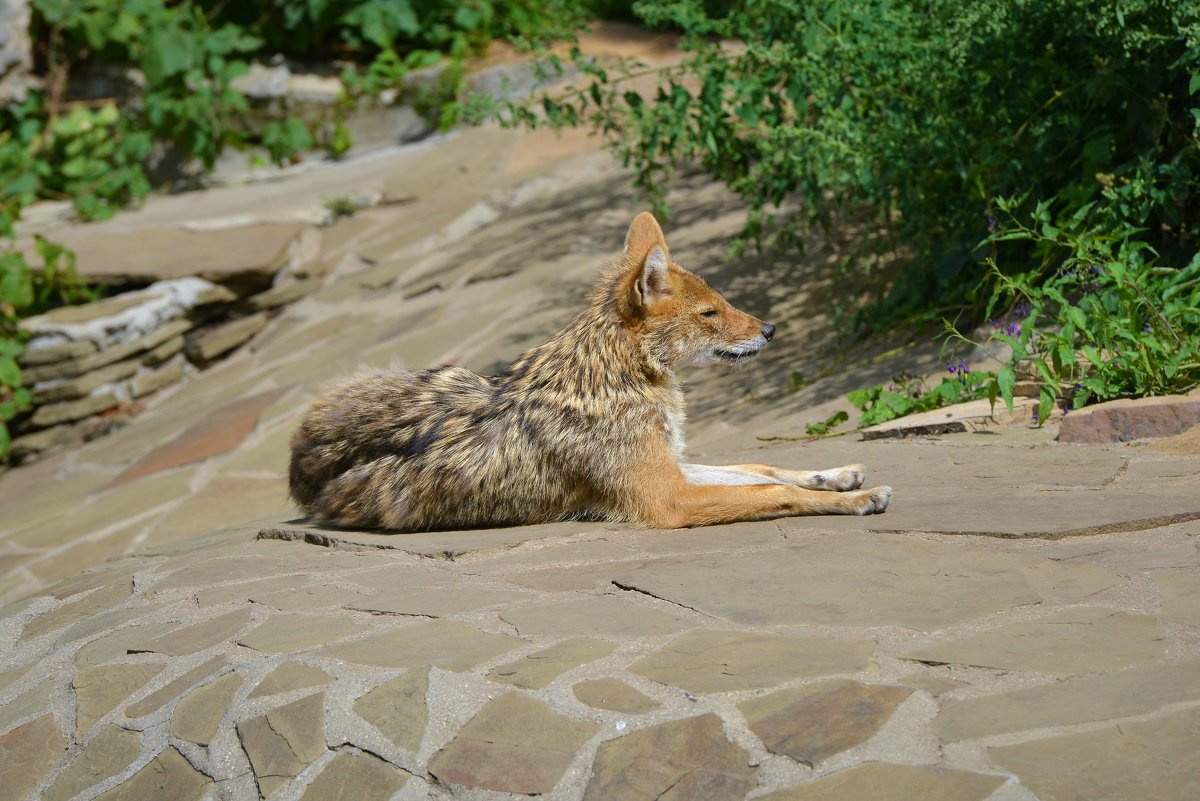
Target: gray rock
(1124, 420)
(207, 344)
(16, 52)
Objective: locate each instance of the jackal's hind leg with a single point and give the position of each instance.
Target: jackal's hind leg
(836, 479)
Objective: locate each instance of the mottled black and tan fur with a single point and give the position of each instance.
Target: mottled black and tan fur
(588, 425)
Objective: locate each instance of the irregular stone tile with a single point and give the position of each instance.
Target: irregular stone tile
(675, 761)
(109, 753)
(9, 676)
(395, 578)
(28, 753)
(168, 775)
(99, 690)
(222, 502)
(397, 708)
(1185, 444)
(565, 579)
(284, 741)
(1180, 593)
(224, 570)
(244, 590)
(542, 667)
(613, 695)
(934, 685)
(1063, 583)
(1135, 691)
(290, 633)
(73, 611)
(914, 583)
(440, 643)
(199, 713)
(441, 545)
(290, 676)
(1068, 643)
(117, 644)
(605, 614)
(1158, 759)
(172, 689)
(723, 661)
(220, 431)
(816, 721)
(83, 555)
(515, 745)
(881, 781)
(354, 775)
(197, 637)
(436, 602)
(32, 702)
(312, 596)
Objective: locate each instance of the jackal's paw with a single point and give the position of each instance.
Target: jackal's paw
(841, 479)
(873, 501)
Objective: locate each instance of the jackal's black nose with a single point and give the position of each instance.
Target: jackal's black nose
(768, 331)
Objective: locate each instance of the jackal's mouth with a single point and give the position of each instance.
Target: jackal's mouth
(742, 353)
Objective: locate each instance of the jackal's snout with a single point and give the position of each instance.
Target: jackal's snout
(768, 331)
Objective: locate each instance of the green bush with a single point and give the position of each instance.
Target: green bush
(928, 120)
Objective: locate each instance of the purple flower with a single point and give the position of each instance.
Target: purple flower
(953, 370)
(991, 223)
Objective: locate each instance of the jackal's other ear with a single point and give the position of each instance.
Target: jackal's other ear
(651, 283)
(643, 234)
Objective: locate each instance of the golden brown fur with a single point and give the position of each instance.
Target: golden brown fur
(588, 425)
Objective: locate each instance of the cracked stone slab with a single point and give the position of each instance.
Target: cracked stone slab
(116, 644)
(397, 708)
(284, 741)
(440, 643)
(199, 713)
(1068, 643)
(724, 661)
(29, 703)
(99, 690)
(299, 599)
(168, 775)
(1156, 759)
(443, 545)
(109, 753)
(28, 753)
(173, 689)
(882, 781)
(1180, 593)
(435, 602)
(101, 600)
(514, 744)
(353, 775)
(197, 637)
(675, 761)
(816, 721)
(605, 614)
(280, 634)
(914, 583)
(613, 695)
(290, 676)
(540, 668)
(1135, 691)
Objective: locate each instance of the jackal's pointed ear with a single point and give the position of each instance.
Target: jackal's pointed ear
(644, 234)
(651, 283)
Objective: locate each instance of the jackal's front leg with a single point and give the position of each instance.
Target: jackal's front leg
(837, 479)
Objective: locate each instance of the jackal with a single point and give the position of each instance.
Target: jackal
(586, 426)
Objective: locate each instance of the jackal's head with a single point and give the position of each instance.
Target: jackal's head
(678, 317)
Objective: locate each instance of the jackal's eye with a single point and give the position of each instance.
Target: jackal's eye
(709, 313)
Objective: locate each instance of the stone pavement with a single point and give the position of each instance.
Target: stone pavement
(1023, 623)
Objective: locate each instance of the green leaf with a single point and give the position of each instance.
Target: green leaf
(5, 441)
(1006, 379)
(10, 373)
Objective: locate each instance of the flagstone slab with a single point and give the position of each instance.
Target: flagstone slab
(290, 676)
(913, 583)
(116, 644)
(73, 611)
(540, 668)
(220, 431)
(99, 690)
(168, 775)
(613, 695)
(354, 775)
(1156, 759)
(1135, 691)
(440, 643)
(198, 715)
(675, 761)
(280, 634)
(1180, 594)
(284, 741)
(196, 637)
(397, 708)
(32, 702)
(300, 599)
(245, 590)
(1071, 642)
(514, 744)
(816, 721)
(28, 753)
(109, 753)
(882, 781)
(934, 685)
(222, 502)
(605, 614)
(435, 602)
(173, 689)
(725, 661)
(442, 545)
